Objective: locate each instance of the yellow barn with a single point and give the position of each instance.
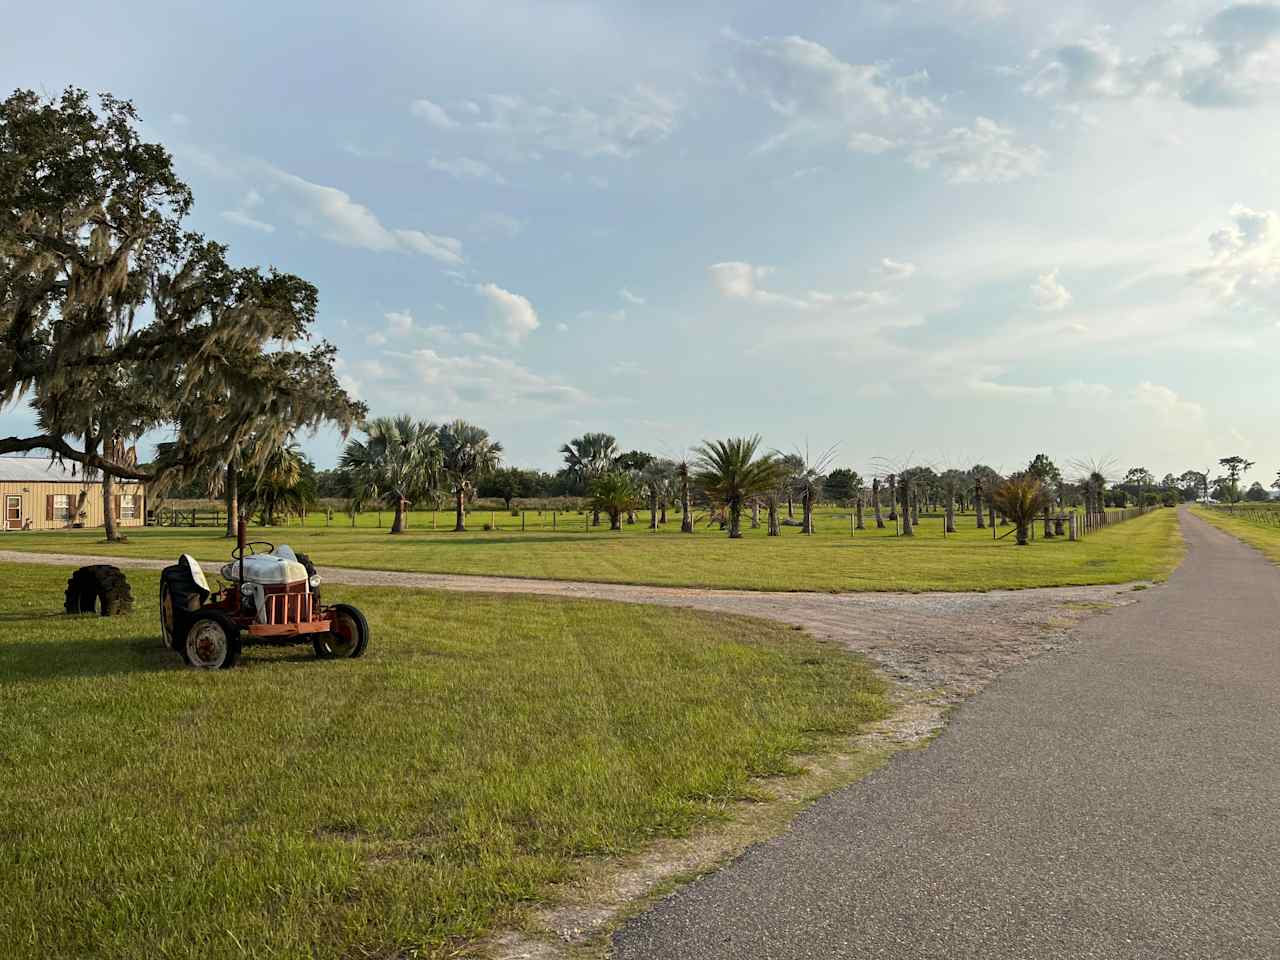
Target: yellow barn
(37, 494)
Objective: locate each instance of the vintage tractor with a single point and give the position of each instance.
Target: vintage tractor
(271, 595)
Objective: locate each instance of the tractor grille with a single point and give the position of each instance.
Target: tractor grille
(290, 603)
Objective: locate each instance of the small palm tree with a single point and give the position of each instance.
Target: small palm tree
(466, 455)
(1021, 498)
(614, 494)
(684, 482)
(655, 479)
(278, 485)
(731, 474)
(397, 461)
(590, 456)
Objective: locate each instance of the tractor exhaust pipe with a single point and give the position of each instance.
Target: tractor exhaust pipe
(241, 543)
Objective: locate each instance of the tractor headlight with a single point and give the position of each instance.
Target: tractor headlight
(246, 589)
(314, 581)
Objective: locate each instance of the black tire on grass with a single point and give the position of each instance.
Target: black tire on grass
(100, 588)
(329, 646)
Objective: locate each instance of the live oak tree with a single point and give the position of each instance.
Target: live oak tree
(114, 320)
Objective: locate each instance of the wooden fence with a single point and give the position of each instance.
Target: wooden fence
(193, 517)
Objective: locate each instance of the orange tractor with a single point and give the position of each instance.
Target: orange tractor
(270, 595)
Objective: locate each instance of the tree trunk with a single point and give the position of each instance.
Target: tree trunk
(109, 507)
(915, 510)
(595, 518)
(951, 515)
(615, 520)
(775, 527)
(893, 498)
(461, 525)
(791, 515)
(904, 489)
(663, 518)
(860, 525)
(231, 493)
(686, 515)
(631, 516)
(875, 502)
(806, 507)
(398, 524)
(1022, 534)
(977, 508)
(755, 514)
(735, 520)
(653, 511)
(1048, 525)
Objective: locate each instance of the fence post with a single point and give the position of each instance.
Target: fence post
(553, 519)
(522, 521)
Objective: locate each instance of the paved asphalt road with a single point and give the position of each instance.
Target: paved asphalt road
(1118, 799)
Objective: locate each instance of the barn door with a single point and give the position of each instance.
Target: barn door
(12, 512)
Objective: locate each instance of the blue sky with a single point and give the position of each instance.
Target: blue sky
(952, 231)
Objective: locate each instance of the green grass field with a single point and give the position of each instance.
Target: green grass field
(1147, 548)
(1256, 526)
(396, 805)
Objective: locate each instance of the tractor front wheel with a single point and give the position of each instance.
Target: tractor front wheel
(212, 641)
(347, 638)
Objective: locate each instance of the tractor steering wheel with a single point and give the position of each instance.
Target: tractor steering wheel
(235, 554)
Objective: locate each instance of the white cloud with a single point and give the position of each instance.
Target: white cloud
(399, 321)
(617, 127)
(432, 113)
(484, 380)
(630, 297)
(820, 97)
(242, 215)
(1233, 58)
(466, 168)
(896, 269)
(376, 339)
(737, 280)
(1048, 293)
(562, 327)
(1245, 258)
(983, 153)
(1166, 403)
(336, 217)
(516, 316)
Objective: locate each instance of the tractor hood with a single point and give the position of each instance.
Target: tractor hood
(266, 568)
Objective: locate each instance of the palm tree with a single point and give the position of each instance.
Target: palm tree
(1021, 498)
(655, 479)
(792, 465)
(397, 461)
(466, 455)
(806, 476)
(683, 478)
(590, 456)
(614, 494)
(278, 484)
(730, 473)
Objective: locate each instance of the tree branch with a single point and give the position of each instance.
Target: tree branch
(65, 450)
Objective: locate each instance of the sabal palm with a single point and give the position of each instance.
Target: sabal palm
(398, 460)
(276, 485)
(731, 473)
(589, 456)
(466, 455)
(1021, 498)
(615, 493)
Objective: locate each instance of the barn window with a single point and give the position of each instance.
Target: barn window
(126, 506)
(62, 507)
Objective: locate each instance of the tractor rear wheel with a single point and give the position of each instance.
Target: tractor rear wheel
(348, 638)
(180, 596)
(100, 588)
(212, 641)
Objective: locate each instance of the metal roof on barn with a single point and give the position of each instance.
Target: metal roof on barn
(41, 470)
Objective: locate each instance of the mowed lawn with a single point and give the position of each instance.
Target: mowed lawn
(397, 805)
(835, 560)
(1266, 537)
